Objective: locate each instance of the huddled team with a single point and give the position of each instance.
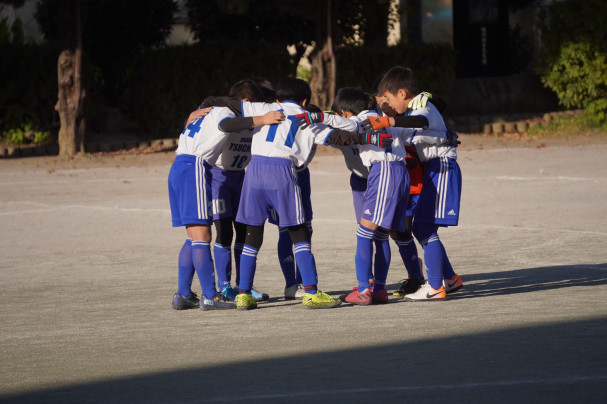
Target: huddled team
(405, 183)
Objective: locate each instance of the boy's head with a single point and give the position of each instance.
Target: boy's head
(269, 95)
(292, 89)
(398, 86)
(246, 90)
(350, 101)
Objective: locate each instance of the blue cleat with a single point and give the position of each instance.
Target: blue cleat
(258, 296)
(219, 302)
(230, 293)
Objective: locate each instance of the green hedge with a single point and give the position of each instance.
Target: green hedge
(165, 85)
(29, 85)
(433, 64)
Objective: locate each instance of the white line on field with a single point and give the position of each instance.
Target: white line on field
(503, 383)
(559, 178)
(48, 208)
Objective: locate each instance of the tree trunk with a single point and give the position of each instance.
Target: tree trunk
(71, 95)
(324, 65)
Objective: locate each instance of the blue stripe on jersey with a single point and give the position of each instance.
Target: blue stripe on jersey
(292, 132)
(272, 131)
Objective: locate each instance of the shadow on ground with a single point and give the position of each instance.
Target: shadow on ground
(557, 363)
(526, 280)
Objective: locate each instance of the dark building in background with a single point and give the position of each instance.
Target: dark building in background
(480, 36)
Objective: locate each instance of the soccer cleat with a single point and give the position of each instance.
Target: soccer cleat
(258, 296)
(219, 302)
(427, 293)
(295, 291)
(454, 284)
(184, 303)
(379, 297)
(355, 297)
(245, 302)
(408, 286)
(229, 293)
(320, 300)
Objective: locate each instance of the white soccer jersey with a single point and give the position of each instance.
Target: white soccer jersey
(236, 152)
(203, 137)
(429, 142)
(370, 154)
(287, 140)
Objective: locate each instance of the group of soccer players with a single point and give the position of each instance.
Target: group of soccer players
(405, 182)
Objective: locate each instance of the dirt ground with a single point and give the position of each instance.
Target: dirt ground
(88, 270)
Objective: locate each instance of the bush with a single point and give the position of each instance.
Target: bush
(166, 84)
(433, 64)
(579, 78)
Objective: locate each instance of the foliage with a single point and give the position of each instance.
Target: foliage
(25, 133)
(433, 64)
(158, 108)
(29, 85)
(226, 23)
(579, 78)
(563, 22)
(113, 33)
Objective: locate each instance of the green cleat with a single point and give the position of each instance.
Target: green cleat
(245, 302)
(320, 300)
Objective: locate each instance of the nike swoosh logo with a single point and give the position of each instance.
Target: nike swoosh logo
(451, 284)
(429, 296)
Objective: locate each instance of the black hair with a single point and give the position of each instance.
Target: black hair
(246, 89)
(351, 99)
(267, 88)
(398, 78)
(292, 89)
(312, 108)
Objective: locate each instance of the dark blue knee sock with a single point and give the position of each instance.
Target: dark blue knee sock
(248, 264)
(364, 256)
(286, 257)
(203, 263)
(185, 269)
(223, 264)
(383, 255)
(433, 257)
(237, 253)
(307, 265)
(408, 252)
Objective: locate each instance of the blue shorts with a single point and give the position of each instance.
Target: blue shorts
(412, 205)
(439, 200)
(359, 187)
(190, 191)
(387, 195)
(303, 180)
(226, 187)
(271, 183)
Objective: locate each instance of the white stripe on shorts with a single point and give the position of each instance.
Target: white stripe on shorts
(201, 195)
(380, 200)
(441, 188)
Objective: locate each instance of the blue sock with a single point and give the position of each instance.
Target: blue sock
(307, 265)
(223, 265)
(408, 252)
(448, 271)
(383, 255)
(433, 256)
(185, 269)
(285, 256)
(248, 264)
(203, 262)
(364, 256)
(237, 253)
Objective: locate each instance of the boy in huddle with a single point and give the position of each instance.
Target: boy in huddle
(189, 184)
(439, 199)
